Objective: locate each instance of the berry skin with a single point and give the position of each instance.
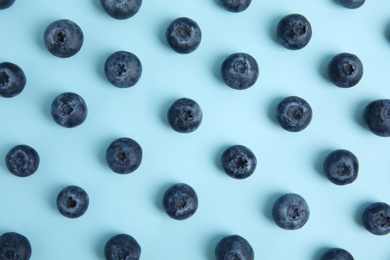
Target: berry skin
(239, 162)
(185, 115)
(240, 71)
(72, 202)
(376, 218)
(14, 246)
(121, 9)
(4, 4)
(69, 110)
(122, 247)
(234, 247)
(63, 38)
(294, 31)
(336, 254)
(123, 69)
(12, 80)
(22, 160)
(180, 201)
(294, 114)
(235, 6)
(183, 35)
(124, 155)
(376, 116)
(352, 4)
(290, 211)
(341, 167)
(345, 70)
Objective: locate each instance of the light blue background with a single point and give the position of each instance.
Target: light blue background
(287, 162)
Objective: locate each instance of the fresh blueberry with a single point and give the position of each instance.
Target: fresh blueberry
(63, 38)
(294, 114)
(239, 162)
(12, 80)
(121, 9)
(290, 211)
(352, 4)
(123, 69)
(122, 247)
(183, 35)
(6, 3)
(180, 201)
(185, 115)
(336, 254)
(376, 218)
(345, 70)
(124, 155)
(72, 202)
(240, 71)
(376, 116)
(341, 167)
(294, 31)
(69, 110)
(14, 246)
(235, 6)
(22, 160)
(234, 247)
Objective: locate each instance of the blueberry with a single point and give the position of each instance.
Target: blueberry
(123, 69)
(122, 247)
(63, 38)
(72, 202)
(376, 116)
(239, 162)
(290, 211)
(69, 110)
(376, 218)
(14, 246)
(235, 6)
(22, 160)
(294, 31)
(294, 114)
(341, 167)
(240, 71)
(183, 35)
(352, 4)
(121, 9)
(6, 3)
(12, 80)
(336, 254)
(185, 115)
(345, 70)
(124, 155)
(180, 201)
(234, 247)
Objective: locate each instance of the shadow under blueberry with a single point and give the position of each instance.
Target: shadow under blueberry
(218, 2)
(319, 161)
(318, 254)
(100, 67)
(52, 197)
(271, 112)
(99, 6)
(101, 243)
(387, 32)
(361, 106)
(102, 152)
(273, 27)
(158, 201)
(164, 111)
(39, 35)
(359, 212)
(161, 32)
(218, 156)
(217, 68)
(4, 149)
(211, 244)
(46, 104)
(323, 67)
(267, 210)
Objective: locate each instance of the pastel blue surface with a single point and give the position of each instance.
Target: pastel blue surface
(287, 162)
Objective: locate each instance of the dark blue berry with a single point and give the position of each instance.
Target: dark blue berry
(180, 201)
(239, 162)
(12, 80)
(121, 9)
(345, 70)
(352, 4)
(294, 114)
(336, 254)
(185, 115)
(14, 246)
(22, 160)
(124, 155)
(235, 6)
(376, 218)
(376, 116)
(183, 35)
(294, 31)
(6, 3)
(72, 202)
(240, 71)
(63, 38)
(122, 247)
(69, 110)
(290, 211)
(341, 167)
(123, 69)
(234, 247)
